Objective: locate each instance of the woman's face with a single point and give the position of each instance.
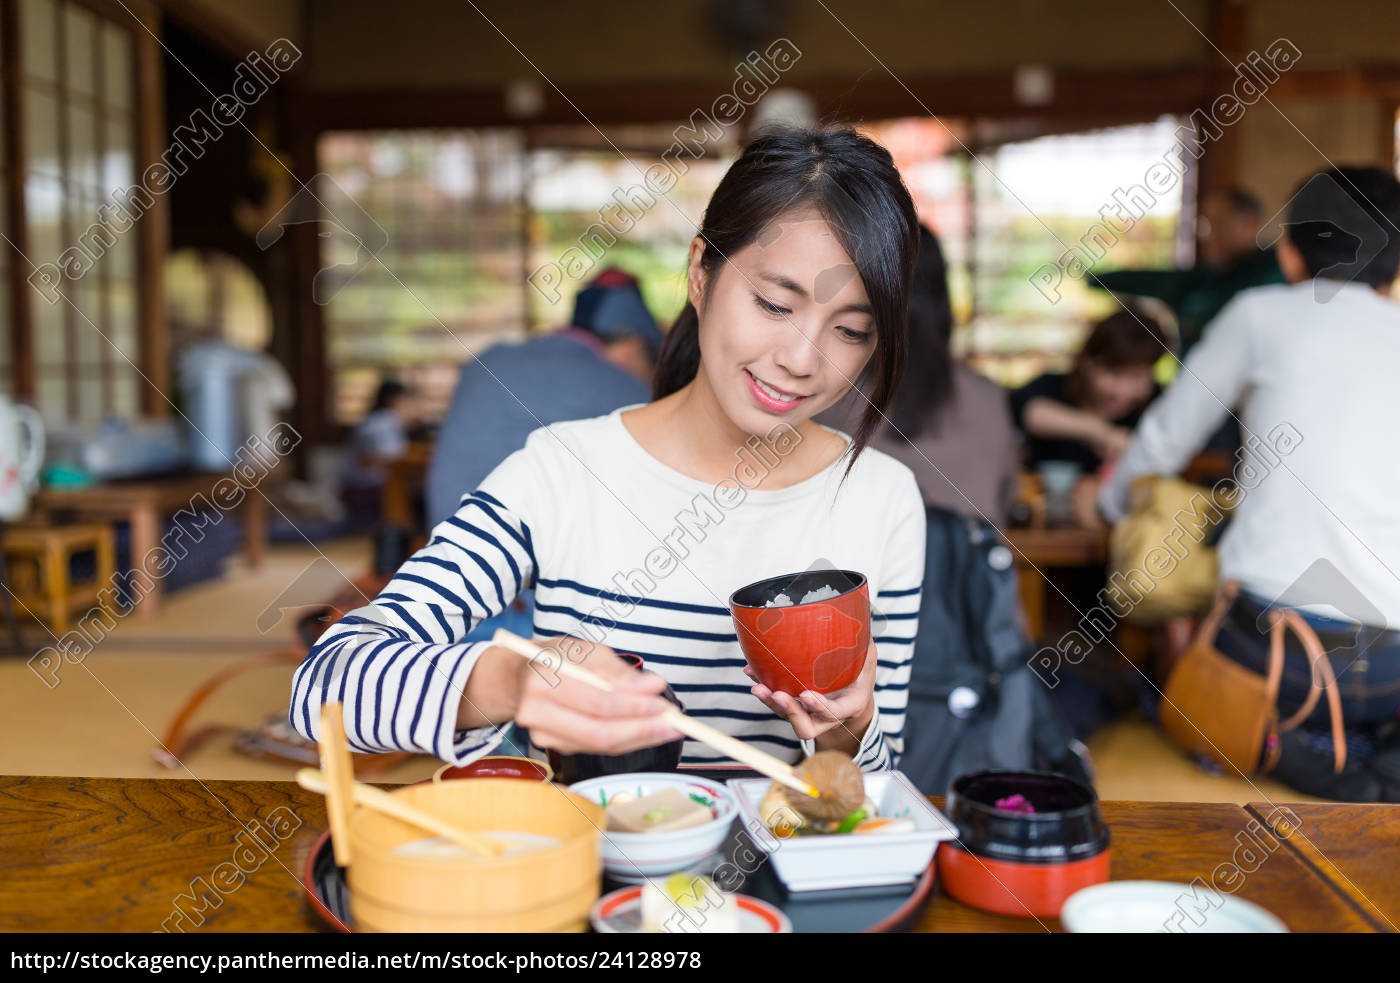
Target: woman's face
(1117, 392)
(785, 326)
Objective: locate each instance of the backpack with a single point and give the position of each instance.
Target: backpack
(974, 701)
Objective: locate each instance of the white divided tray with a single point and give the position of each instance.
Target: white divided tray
(823, 863)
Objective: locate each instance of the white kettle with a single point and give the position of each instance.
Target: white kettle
(21, 454)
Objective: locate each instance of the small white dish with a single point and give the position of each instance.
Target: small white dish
(633, 857)
(1162, 906)
(824, 863)
(621, 911)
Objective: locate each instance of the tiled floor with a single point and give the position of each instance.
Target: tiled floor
(105, 714)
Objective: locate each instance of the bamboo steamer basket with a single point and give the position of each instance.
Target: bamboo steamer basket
(548, 890)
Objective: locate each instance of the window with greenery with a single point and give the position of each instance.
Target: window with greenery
(1002, 211)
(449, 280)
(473, 216)
(469, 216)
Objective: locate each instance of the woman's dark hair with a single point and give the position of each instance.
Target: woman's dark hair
(928, 381)
(388, 391)
(852, 182)
(1125, 339)
(1345, 223)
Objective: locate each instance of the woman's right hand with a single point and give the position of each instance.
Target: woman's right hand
(572, 717)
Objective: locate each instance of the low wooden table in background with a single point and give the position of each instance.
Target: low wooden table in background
(1036, 549)
(108, 854)
(142, 504)
(403, 486)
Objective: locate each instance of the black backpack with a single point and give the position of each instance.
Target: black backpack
(974, 702)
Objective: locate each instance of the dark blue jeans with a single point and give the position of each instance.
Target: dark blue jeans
(1365, 660)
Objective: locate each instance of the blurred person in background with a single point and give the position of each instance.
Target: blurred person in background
(1076, 425)
(379, 438)
(1229, 260)
(949, 425)
(1311, 367)
(970, 703)
(601, 361)
(1086, 416)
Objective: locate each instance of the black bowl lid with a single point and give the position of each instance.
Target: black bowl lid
(796, 586)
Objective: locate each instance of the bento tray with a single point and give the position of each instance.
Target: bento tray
(872, 909)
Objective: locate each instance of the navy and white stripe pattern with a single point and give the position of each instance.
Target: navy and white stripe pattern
(397, 664)
(399, 669)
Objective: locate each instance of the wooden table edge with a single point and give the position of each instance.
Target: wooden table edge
(1316, 861)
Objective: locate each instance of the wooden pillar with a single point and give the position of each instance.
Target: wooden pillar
(153, 231)
(1220, 165)
(21, 350)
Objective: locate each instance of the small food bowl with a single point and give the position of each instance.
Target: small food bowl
(1155, 906)
(631, 858)
(792, 646)
(824, 862)
(548, 889)
(1021, 863)
(497, 766)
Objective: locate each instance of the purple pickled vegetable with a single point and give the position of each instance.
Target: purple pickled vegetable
(1016, 803)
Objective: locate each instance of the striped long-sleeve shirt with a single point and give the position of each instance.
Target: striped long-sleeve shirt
(625, 551)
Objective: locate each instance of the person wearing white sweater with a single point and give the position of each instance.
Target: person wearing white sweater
(634, 528)
(1309, 368)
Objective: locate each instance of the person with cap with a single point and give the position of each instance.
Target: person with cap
(600, 361)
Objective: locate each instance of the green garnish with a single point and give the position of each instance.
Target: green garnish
(851, 821)
(656, 816)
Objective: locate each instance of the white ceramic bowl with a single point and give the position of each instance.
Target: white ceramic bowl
(1156, 906)
(823, 863)
(633, 857)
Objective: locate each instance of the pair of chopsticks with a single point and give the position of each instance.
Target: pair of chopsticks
(761, 761)
(381, 801)
(337, 783)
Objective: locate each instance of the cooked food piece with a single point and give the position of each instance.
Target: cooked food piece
(687, 903)
(839, 780)
(784, 821)
(777, 814)
(882, 825)
(659, 812)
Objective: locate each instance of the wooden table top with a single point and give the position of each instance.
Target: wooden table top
(167, 491)
(107, 854)
(1058, 546)
(1355, 847)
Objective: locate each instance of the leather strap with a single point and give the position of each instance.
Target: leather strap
(1321, 665)
(1283, 620)
(1224, 598)
(179, 740)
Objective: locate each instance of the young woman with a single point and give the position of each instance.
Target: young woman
(1088, 415)
(637, 526)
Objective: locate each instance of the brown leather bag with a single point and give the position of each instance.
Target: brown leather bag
(1214, 706)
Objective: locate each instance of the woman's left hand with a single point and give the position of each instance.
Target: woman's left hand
(836, 721)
